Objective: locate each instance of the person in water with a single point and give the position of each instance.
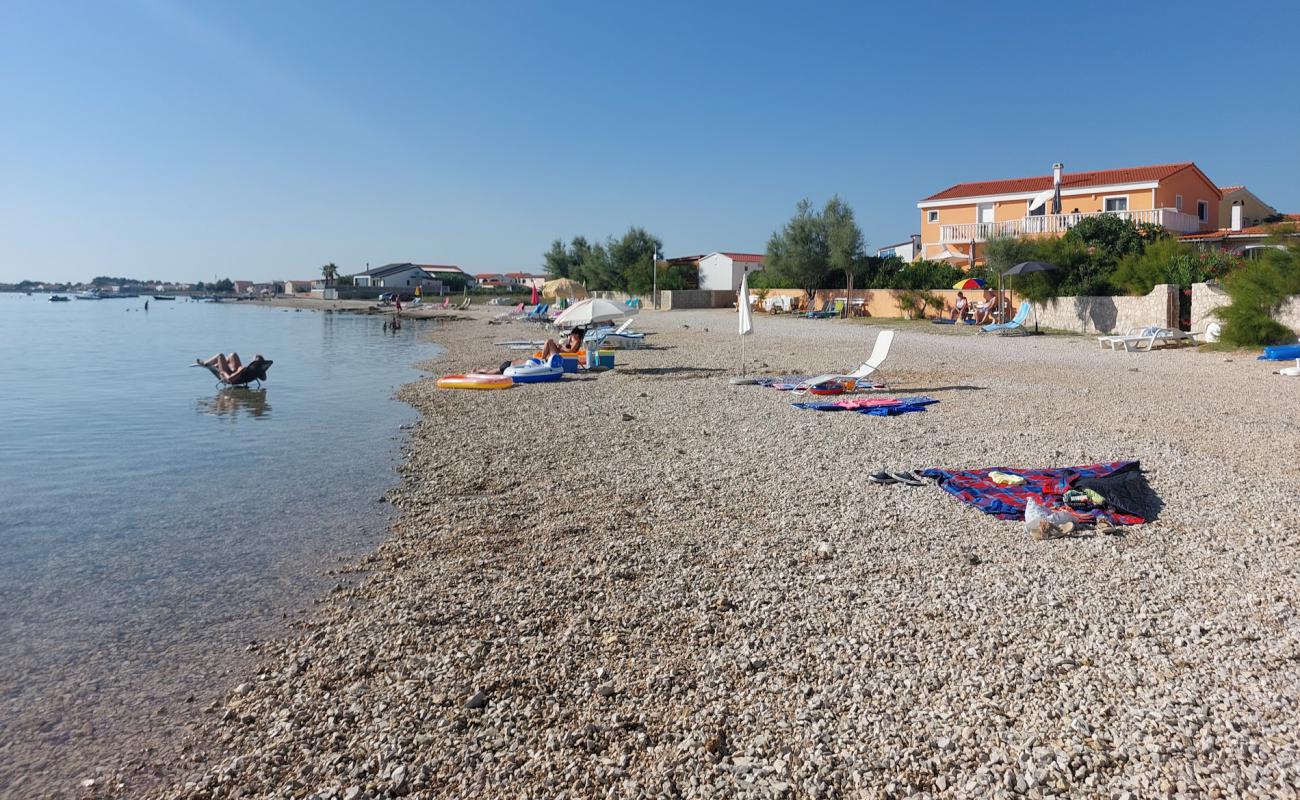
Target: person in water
(569, 344)
(229, 368)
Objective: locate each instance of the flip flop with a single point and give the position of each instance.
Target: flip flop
(883, 478)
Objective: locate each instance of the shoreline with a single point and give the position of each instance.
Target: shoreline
(168, 619)
(617, 584)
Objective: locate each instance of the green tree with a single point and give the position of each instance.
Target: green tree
(799, 253)
(596, 270)
(1258, 289)
(632, 258)
(223, 285)
(329, 272)
(1004, 252)
(558, 261)
(345, 280)
(844, 241)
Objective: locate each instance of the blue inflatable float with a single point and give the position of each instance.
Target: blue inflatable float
(1281, 352)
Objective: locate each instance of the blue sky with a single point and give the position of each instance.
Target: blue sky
(157, 138)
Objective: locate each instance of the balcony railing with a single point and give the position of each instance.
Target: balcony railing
(1051, 224)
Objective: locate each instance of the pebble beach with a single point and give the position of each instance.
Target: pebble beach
(649, 582)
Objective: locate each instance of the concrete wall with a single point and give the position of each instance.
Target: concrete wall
(882, 302)
(622, 297)
(1111, 314)
(695, 298)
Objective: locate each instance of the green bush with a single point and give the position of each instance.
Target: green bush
(915, 301)
(1170, 261)
(922, 274)
(1258, 289)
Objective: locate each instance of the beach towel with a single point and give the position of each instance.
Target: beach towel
(1047, 487)
(872, 406)
(788, 383)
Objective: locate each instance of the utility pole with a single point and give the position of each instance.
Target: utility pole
(654, 279)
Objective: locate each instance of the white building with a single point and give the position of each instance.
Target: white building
(907, 251)
(429, 277)
(722, 271)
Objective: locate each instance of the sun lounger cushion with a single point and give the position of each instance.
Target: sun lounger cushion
(1048, 488)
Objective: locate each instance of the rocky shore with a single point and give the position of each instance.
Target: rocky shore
(652, 583)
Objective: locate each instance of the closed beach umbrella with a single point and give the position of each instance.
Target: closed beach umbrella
(590, 312)
(532, 300)
(563, 287)
(1026, 267)
(746, 316)
(969, 283)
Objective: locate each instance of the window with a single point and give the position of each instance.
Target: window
(1178, 202)
(1116, 203)
(932, 216)
(1202, 210)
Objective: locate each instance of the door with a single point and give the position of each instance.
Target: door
(984, 216)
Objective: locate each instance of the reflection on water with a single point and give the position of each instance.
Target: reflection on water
(235, 400)
(145, 536)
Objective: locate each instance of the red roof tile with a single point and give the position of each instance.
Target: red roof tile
(1230, 189)
(1069, 180)
(1249, 230)
(744, 256)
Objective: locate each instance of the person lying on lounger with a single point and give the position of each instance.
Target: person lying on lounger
(570, 344)
(229, 368)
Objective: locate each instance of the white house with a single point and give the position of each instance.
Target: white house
(907, 251)
(722, 271)
(409, 276)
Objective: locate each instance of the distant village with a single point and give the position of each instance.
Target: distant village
(432, 279)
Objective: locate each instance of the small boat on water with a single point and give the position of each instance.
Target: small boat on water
(93, 294)
(164, 297)
(58, 298)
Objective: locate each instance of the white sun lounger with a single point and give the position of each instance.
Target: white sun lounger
(871, 368)
(1146, 339)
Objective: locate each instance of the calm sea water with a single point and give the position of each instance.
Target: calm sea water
(152, 525)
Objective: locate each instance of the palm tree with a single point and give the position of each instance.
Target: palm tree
(330, 271)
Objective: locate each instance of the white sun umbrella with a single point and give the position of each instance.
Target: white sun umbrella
(746, 316)
(590, 312)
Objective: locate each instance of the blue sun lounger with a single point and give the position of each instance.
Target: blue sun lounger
(1016, 325)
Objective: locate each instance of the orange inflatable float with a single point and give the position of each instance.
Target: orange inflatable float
(473, 381)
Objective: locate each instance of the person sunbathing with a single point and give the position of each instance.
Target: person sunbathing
(960, 307)
(229, 368)
(570, 344)
(984, 310)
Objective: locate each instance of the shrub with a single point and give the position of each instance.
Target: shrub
(915, 301)
(1258, 289)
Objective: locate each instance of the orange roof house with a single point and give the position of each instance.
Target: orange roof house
(955, 222)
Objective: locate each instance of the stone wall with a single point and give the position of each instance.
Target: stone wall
(1111, 314)
(1205, 298)
(1290, 314)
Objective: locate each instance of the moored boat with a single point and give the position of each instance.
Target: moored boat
(58, 298)
(164, 297)
(93, 294)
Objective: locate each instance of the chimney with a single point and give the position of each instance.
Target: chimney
(1236, 215)
(1056, 173)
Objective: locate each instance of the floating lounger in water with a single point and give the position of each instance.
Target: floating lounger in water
(475, 382)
